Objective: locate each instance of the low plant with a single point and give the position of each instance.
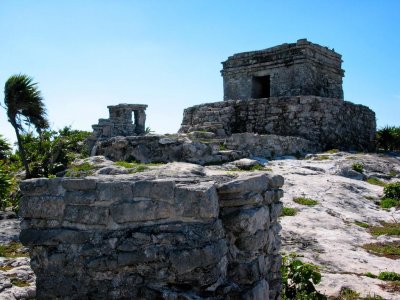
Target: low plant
(389, 202)
(305, 201)
(392, 190)
(298, 279)
(322, 157)
(13, 249)
(389, 276)
(370, 275)
(386, 228)
(373, 297)
(289, 211)
(222, 147)
(348, 294)
(389, 249)
(393, 174)
(358, 167)
(18, 282)
(85, 169)
(375, 181)
(332, 151)
(362, 224)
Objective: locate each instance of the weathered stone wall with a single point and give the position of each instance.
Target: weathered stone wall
(329, 123)
(301, 68)
(141, 237)
(156, 148)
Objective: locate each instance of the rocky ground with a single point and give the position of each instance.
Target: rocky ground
(324, 234)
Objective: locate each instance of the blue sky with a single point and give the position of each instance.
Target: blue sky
(167, 53)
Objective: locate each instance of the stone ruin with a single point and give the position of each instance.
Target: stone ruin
(154, 237)
(287, 90)
(172, 235)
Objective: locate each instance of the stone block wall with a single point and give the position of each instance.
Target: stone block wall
(141, 237)
(328, 123)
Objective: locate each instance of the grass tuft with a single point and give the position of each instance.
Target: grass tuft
(389, 202)
(386, 228)
(348, 294)
(389, 276)
(12, 250)
(289, 212)
(389, 249)
(358, 167)
(322, 157)
(305, 201)
(362, 224)
(332, 151)
(18, 282)
(375, 181)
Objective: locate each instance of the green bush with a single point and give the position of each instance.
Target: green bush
(392, 190)
(389, 202)
(298, 279)
(388, 138)
(358, 167)
(389, 276)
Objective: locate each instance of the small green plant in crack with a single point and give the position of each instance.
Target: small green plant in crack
(288, 211)
(348, 294)
(389, 202)
(370, 275)
(305, 201)
(386, 229)
(388, 249)
(362, 224)
(222, 147)
(358, 167)
(12, 250)
(376, 181)
(389, 276)
(18, 282)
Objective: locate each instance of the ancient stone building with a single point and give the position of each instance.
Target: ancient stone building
(301, 68)
(120, 121)
(287, 90)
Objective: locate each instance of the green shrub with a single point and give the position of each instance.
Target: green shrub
(389, 202)
(389, 276)
(388, 138)
(358, 167)
(305, 201)
(289, 211)
(392, 190)
(298, 279)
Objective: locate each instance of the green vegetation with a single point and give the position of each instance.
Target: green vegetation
(374, 297)
(6, 268)
(348, 294)
(298, 279)
(388, 138)
(322, 157)
(362, 224)
(289, 211)
(305, 201)
(222, 147)
(389, 276)
(85, 169)
(392, 174)
(13, 249)
(18, 282)
(389, 249)
(332, 151)
(391, 196)
(392, 190)
(370, 275)
(358, 167)
(375, 181)
(24, 104)
(386, 228)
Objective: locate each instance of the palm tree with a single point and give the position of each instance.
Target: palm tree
(24, 104)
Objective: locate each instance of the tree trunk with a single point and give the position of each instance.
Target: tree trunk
(22, 152)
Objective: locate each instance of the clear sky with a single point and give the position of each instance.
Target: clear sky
(87, 54)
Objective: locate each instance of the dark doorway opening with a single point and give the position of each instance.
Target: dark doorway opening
(261, 86)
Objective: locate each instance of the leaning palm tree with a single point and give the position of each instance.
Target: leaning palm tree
(24, 104)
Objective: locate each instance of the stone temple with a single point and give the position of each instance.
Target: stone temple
(288, 90)
(297, 69)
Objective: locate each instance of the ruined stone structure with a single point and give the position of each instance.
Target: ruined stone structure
(326, 122)
(301, 68)
(120, 121)
(142, 237)
(288, 90)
